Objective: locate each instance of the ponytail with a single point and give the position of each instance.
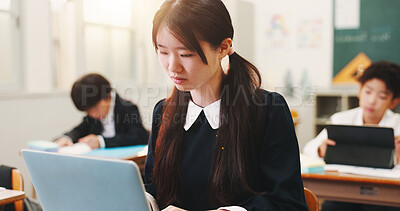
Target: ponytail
(207, 20)
(240, 90)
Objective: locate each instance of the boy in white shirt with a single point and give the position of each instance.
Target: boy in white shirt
(379, 91)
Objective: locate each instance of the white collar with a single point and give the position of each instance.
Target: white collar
(383, 123)
(359, 117)
(386, 118)
(110, 113)
(211, 112)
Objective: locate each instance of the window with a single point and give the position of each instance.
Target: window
(93, 36)
(10, 76)
(108, 37)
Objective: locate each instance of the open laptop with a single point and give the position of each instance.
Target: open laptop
(73, 182)
(361, 146)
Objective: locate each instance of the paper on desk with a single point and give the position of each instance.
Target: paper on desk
(78, 148)
(375, 172)
(311, 165)
(120, 152)
(143, 152)
(43, 145)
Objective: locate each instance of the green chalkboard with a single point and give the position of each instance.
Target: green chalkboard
(378, 36)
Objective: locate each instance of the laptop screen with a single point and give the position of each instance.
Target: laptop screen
(72, 182)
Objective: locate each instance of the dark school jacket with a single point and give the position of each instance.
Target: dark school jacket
(128, 126)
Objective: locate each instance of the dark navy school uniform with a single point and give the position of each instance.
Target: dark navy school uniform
(275, 165)
(129, 129)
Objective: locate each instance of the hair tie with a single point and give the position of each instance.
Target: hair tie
(231, 51)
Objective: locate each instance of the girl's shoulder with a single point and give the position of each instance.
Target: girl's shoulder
(157, 112)
(272, 98)
(159, 106)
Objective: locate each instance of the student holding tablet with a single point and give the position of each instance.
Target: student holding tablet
(379, 91)
(219, 141)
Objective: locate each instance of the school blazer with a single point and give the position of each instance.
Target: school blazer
(128, 126)
(274, 163)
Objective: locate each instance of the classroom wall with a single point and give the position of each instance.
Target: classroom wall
(294, 37)
(293, 44)
(28, 117)
(36, 42)
(300, 43)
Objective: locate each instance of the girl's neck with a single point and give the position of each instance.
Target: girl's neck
(208, 93)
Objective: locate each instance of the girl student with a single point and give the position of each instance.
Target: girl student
(219, 141)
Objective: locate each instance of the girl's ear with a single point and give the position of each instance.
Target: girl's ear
(394, 103)
(225, 47)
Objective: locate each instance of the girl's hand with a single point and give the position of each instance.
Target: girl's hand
(173, 208)
(322, 148)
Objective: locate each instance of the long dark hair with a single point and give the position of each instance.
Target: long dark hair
(88, 90)
(207, 20)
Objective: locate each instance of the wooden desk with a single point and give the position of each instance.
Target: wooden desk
(354, 188)
(9, 196)
(134, 153)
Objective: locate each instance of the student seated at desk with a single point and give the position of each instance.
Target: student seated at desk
(110, 121)
(379, 91)
(219, 141)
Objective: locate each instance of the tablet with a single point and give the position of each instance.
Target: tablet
(74, 182)
(361, 146)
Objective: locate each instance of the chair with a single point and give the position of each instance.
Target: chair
(11, 178)
(311, 200)
(17, 183)
(295, 117)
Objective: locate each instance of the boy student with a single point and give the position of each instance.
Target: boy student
(110, 121)
(379, 91)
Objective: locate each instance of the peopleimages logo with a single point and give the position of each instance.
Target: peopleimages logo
(149, 94)
(146, 96)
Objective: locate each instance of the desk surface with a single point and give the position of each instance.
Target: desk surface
(135, 153)
(9, 196)
(354, 188)
(125, 153)
(335, 176)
